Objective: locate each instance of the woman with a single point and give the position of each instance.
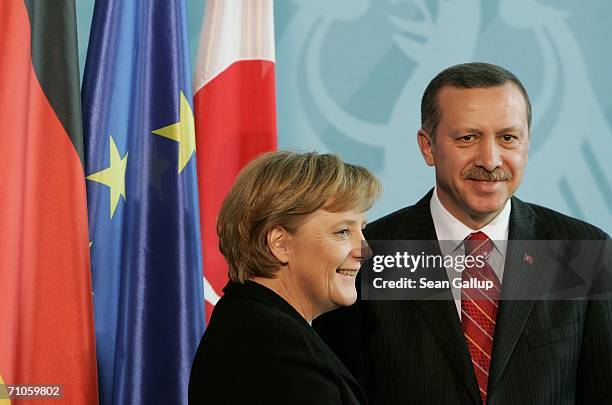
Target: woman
(291, 232)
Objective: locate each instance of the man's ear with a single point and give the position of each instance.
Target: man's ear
(426, 145)
(278, 242)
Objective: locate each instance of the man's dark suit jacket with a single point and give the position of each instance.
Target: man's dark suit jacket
(414, 352)
(258, 349)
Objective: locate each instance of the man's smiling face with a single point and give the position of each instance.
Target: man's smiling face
(479, 150)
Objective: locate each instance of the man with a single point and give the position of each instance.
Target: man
(475, 130)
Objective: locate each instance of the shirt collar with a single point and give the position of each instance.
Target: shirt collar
(449, 228)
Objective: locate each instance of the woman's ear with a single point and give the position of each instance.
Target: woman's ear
(278, 242)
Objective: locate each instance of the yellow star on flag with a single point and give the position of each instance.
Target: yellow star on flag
(4, 394)
(182, 132)
(113, 176)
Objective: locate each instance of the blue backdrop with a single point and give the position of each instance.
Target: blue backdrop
(350, 75)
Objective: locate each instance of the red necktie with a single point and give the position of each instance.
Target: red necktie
(479, 308)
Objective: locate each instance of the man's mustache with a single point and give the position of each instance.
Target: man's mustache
(478, 173)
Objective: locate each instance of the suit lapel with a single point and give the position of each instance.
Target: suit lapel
(440, 314)
(520, 279)
(441, 317)
(348, 377)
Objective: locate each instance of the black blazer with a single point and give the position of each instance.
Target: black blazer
(258, 349)
(414, 352)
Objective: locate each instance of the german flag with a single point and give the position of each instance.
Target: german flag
(46, 321)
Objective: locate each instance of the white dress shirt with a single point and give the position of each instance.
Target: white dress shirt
(451, 233)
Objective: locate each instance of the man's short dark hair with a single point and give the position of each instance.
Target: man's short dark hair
(465, 76)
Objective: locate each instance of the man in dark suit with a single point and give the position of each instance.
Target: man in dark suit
(475, 129)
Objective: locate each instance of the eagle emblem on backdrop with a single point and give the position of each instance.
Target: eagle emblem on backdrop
(352, 72)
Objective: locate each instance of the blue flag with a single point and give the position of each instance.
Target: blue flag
(142, 201)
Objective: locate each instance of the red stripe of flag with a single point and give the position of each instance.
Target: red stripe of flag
(46, 332)
(235, 112)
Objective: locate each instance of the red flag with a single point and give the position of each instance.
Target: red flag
(235, 112)
(46, 321)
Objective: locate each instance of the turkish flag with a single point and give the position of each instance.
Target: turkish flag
(235, 112)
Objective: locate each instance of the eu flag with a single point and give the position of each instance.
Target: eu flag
(142, 201)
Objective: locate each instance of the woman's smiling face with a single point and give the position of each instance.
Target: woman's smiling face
(324, 257)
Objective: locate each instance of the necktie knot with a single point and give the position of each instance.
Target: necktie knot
(478, 244)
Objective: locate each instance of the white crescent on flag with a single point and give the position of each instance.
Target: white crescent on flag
(210, 295)
(233, 30)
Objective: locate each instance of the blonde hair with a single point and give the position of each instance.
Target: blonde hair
(278, 189)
